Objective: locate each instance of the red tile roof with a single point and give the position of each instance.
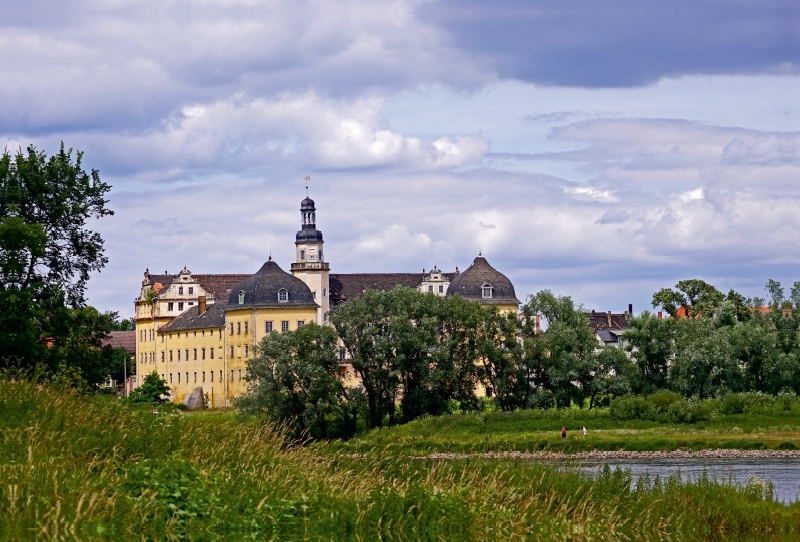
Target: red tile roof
(122, 339)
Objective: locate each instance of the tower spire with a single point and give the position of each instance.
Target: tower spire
(306, 179)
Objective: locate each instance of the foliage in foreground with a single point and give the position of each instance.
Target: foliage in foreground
(96, 469)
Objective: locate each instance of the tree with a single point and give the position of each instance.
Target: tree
(705, 364)
(694, 296)
(152, 390)
(61, 197)
(46, 255)
(502, 369)
(295, 378)
(650, 341)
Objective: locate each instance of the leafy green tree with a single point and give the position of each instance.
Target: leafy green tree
(755, 348)
(152, 390)
(295, 378)
(459, 350)
(565, 360)
(612, 377)
(650, 342)
(705, 364)
(502, 369)
(46, 256)
(360, 324)
(694, 296)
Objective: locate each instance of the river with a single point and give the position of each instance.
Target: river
(783, 472)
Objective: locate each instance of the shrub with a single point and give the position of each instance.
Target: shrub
(757, 403)
(692, 410)
(732, 403)
(631, 407)
(663, 399)
(542, 400)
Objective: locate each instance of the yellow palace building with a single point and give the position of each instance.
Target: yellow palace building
(198, 331)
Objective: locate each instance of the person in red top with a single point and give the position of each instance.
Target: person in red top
(563, 432)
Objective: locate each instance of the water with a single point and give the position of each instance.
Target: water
(783, 472)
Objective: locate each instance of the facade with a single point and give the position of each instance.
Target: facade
(609, 327)
(197, 331)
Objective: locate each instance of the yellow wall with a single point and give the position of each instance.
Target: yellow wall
(243, 329)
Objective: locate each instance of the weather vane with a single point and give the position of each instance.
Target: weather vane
(306, 179)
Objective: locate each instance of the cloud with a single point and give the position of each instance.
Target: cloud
(622, 42)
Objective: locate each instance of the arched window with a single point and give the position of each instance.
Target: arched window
(283, 295)
(241, 297)
(486, 291)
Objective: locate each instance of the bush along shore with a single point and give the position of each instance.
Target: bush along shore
(91, 468)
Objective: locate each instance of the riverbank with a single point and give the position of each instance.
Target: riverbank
(595, 455)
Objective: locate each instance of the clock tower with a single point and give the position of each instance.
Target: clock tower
(310, 265)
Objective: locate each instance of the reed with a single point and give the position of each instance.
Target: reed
(82, 468)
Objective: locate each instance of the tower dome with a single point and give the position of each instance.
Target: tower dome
(482, 282)
(308, 231)
(271, 286)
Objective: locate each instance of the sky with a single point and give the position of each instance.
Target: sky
(601, 150)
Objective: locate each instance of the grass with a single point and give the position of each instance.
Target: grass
(76, 468)
(532, 430)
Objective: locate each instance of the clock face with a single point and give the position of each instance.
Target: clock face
(312, 250)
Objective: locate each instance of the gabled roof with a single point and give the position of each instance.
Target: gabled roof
(217, 285)
(122, 339)
(602, 320)
(346, 286)
(261, 290)
(469, 284)
(213, 317)
(607, 336)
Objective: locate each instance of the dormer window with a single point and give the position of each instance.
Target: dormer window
(180, 290)
(241, 297)
(486, 291)
(283, 295)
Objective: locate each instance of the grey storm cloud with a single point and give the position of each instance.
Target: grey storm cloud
(621, 42)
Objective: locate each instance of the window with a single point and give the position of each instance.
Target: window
(187, 354)
(283, 295)
(162, 357)
(342, 353)
(180, 290)
(268, 327)
(231, 375)
(430, 288)
(163, 377)
(190, 303)
(441, 288)
(301, 323)
(191, 290)
(195, 377)
(302, 254)
(324, 290)
(220, 334)
(285, 326)
(246, 351)
(231, 328)
(162, 337)
(240, 374)
(212, 376)
(245, 328)
(231, 351)
(170, 335)
(211, 352)
(220, 375)
(486, 291)
(170, 306)
(195, 333)
(179, 378)
(238, 328)
(170, 355)
(202, 353)
(186, 335)
(203, 332)
(151, 334)
(179, 355)
(241, 297)
(187, 377)
(195, 354)
(204, 376)
(180, 306)
(170, 378)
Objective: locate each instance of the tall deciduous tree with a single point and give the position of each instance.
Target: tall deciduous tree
(694, 296)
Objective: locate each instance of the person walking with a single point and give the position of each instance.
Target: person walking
(584, 431)
(563, 433)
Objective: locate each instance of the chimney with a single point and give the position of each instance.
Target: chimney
(659, 315)
(609, 318)
(201, 305)
(630, 309)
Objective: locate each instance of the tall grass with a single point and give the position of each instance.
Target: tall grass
(75, 468)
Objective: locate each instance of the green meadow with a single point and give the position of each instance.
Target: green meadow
(92, 468)
(537, 430)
